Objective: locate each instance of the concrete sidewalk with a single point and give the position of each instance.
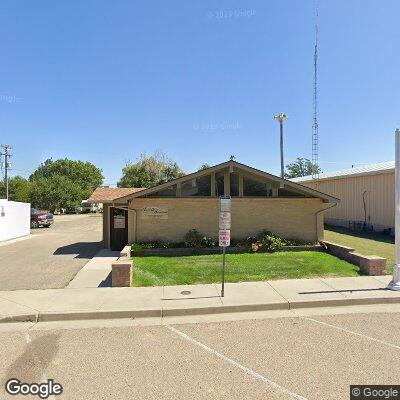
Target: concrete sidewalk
(96, 273)
(107, 303)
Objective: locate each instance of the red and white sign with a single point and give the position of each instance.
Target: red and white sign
(224, 237)
(224, 220)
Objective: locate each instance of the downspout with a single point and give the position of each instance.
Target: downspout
(320, 211)
(135, 224)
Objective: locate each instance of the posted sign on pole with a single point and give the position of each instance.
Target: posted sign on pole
(224, 232)
(224, 237)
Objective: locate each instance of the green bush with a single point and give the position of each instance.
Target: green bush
(193, 238)
(136, 247)
(264, 241)
(270, 242)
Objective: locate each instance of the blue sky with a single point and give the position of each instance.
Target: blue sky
(106, 81)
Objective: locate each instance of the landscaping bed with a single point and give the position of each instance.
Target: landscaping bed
(198, 269)
(191, 251)
(364, 243)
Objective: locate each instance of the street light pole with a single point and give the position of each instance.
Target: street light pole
(281, 117)
(395, 282)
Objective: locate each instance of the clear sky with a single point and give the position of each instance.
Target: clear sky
(105, 81)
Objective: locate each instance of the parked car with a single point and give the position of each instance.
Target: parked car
(41, 218)
(73, 210)
(88, 207)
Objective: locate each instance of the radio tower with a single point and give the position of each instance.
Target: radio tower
(315, 171)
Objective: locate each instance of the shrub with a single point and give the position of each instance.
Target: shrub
(209, 242)
(265, 241)
(193, 238)
(136, 247)
(270, 242)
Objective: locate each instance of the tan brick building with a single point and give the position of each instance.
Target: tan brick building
(168, 211)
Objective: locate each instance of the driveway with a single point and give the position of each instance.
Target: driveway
(51, 257)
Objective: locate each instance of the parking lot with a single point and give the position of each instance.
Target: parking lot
(51, 257)
(296, 355)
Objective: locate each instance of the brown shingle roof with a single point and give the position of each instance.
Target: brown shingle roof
(106, 195)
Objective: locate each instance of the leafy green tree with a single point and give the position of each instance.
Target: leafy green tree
(63, 183)
(204, 166)
(83, 174)
(301, 167)
(18, 189)
(54, 192)
(149, 171)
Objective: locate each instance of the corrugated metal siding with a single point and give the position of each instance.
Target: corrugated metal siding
(379, 198)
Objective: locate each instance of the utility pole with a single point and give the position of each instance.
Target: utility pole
(281, 117)
(395, 282)
(6, 148)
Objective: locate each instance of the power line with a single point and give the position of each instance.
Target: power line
(6, 148)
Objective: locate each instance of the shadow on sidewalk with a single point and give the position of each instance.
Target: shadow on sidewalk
(106, 282)
(81, 249)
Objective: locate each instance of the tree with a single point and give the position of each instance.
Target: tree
(63, 183)
(149, 171)
(18, 189)
(83, 174)
(54, 192)
(204, 166)
(301, 167)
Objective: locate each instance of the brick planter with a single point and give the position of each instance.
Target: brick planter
(369, 265)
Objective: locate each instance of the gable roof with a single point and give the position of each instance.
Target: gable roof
(370, 169)
(231, 164)
(108, 195)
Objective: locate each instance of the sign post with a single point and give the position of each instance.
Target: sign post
(224, 233)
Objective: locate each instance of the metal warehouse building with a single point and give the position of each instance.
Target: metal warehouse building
(366, 194)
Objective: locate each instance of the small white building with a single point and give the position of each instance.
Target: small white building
(15, 218)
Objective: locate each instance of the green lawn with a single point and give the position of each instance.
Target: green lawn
(157, 271)
(364, 243)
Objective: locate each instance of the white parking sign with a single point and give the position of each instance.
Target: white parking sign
(224, 220)
(224, 237)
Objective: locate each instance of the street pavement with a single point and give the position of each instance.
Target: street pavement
(298, 354)
(51, 257)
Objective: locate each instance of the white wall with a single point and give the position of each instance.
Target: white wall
(15, 219)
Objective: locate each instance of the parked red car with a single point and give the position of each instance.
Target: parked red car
(41, 218)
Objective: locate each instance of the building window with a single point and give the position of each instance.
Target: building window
(197, 187)
(219, 184)
(289, 193)
(252, 187)
(167, 192)
(234, 178)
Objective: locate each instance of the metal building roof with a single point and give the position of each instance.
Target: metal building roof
(369, 169)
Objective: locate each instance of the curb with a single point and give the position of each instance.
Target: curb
(47, 316)
(19, 318)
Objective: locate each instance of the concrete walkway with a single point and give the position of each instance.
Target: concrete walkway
(96, 273)
(103, 303)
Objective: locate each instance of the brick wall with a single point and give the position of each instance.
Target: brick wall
(290, 218)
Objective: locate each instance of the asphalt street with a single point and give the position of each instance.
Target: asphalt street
(51, 257)
(292, 357)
